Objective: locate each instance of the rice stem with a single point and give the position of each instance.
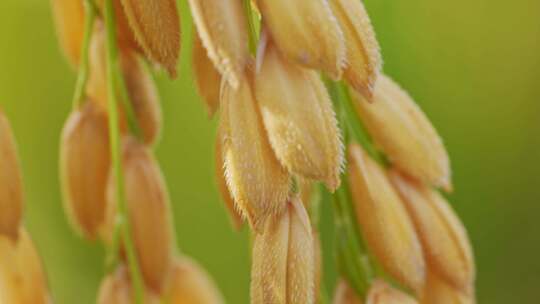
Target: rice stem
(252, 33)
(122, 225)
(82, 75)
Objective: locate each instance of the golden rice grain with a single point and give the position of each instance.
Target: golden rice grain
(234, 215)
(385, 224)
(11, 191)
(400, 128)
(207, 78)
(84, 168)
(156, 26)
(190, 284)
(222, 27)
(306, 32)
(344, 294)
(382, 293)
(116, 289)
(124, 34)
(299, 119)
(256, 179)
(438, 291)
(283, 259)
(363, 54)
(140, 87)
(446, 246)
(306, 191)
(147, 202)
(69, 19)
(96, 86)
(22, 279)
(143, 95)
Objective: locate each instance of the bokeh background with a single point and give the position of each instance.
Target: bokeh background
(473, 66)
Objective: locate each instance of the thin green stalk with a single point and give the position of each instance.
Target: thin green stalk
(122, 225)
(82, 77)
(354, 125)
(251, 27)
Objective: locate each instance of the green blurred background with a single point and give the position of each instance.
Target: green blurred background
(474, 67)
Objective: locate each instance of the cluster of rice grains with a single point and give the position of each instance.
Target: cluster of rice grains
(278, 140)
(302, 105)
(113, 188)
(22, 277)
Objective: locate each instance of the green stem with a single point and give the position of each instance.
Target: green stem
(354, 124)
(123, 224)
(251, 27)
(82, 77)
